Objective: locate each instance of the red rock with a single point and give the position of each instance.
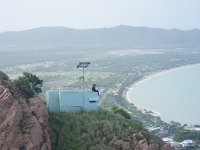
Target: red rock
(19, 127)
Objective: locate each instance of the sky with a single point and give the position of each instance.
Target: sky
(18, 15)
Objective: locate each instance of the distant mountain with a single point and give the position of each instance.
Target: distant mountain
(117, 37)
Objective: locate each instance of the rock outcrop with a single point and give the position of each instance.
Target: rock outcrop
(136, 142)
(23, 122)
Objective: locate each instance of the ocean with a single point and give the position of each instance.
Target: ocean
(174, 94)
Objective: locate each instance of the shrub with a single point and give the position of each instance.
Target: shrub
(87, 130)
(3, 76)
(120, 111)
(29, 84)
(183, 134)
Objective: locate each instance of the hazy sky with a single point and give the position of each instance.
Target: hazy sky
(25, 14)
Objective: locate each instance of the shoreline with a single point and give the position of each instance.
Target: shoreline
(146, 77)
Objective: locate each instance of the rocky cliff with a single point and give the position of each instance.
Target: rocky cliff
(132, 142)
(23, 122)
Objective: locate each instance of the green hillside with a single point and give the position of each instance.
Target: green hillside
(96, 130)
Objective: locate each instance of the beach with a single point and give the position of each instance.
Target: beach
(126, 92)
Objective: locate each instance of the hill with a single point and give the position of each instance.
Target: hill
(100, 130)
(116, 37)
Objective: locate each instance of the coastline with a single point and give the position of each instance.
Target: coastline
(146, 77)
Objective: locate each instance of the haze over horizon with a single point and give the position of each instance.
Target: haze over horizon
(87, 14)
(97, 28)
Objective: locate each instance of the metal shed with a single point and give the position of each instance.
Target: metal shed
(72, 101)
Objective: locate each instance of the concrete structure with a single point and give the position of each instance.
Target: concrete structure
(192, 128)
(167, 140)
(172, 143)
(188, 143)
(72, 101)
(185, 144)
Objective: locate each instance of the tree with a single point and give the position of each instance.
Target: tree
(177, 124)
(29, 84)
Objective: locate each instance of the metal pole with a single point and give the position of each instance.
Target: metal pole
(83, 65)
(83, 88)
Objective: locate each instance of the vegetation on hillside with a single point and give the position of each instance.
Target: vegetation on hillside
(183, 134)
(122, 112)
(3, 76)
(29, 84)
(92, 130)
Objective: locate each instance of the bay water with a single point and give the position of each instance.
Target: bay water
(174, 94)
